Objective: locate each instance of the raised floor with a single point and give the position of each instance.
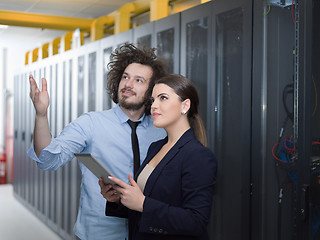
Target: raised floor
(17, 222)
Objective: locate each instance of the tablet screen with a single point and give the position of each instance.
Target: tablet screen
(95, 166)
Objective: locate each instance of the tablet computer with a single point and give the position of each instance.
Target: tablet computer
(95, 166)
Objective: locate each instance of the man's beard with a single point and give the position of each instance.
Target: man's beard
(130, 106)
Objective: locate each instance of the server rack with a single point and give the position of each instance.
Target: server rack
(195, 48)
(66, 226)
(107, 47)
(122, 38)
(15, 126)
(228, 67)
(74, 192)
(143, 35)
(232, 57)
(40, 174)
(167, 41)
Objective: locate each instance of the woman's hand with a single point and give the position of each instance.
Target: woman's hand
(108, 192)
(131, 195)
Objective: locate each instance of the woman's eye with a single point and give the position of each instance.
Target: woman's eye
(125, 77)
(139, 80)
(151, 100)
(162, 98)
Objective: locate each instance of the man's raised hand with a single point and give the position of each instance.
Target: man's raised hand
(39, 98)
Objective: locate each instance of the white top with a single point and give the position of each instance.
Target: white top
(143, 176)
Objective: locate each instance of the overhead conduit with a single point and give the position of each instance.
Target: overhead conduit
(119, 19)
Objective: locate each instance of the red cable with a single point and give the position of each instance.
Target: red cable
(275, 155)
(294, 21)
(285, 144)
(273, 152)
(290, 150)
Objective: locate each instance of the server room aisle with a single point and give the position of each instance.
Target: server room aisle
(17, 222)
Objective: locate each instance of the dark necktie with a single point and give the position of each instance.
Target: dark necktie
(135, 145)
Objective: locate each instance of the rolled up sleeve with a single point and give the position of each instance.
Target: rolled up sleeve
(73, 139)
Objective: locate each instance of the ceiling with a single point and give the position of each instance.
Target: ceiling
(67, 8)
(70, 8)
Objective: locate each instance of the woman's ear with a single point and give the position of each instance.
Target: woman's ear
(186, 106)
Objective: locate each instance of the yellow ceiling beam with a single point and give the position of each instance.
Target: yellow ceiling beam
(119, 19)
(67, 38)
(35, 54)
(141, 6)
(26, 62)
(44, 21)
(81, 38)
(158, 9)
(123, 17)
(45, 50)
(55, 46)
(97, 27)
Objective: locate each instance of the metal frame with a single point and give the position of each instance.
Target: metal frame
(304, 112)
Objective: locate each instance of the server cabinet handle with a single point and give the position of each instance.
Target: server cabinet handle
(304, 202)
(15, 134)
(23, 136)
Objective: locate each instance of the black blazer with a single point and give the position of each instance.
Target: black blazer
(178, 193)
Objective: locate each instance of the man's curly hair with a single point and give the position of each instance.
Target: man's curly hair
(125, 55)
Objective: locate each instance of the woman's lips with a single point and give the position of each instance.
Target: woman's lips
(154, 115)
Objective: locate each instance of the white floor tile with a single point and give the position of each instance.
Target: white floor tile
(17, 222)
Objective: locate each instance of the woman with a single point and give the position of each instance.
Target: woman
(172, 195)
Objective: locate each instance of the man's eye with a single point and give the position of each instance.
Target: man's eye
(139, 80)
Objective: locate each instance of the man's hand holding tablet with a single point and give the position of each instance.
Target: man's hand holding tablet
(95, 166)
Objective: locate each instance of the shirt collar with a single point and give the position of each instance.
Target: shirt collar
(123, 118)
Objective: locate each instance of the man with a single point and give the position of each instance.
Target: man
(106, 135)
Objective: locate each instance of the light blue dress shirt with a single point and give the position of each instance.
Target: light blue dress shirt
(107, 136)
